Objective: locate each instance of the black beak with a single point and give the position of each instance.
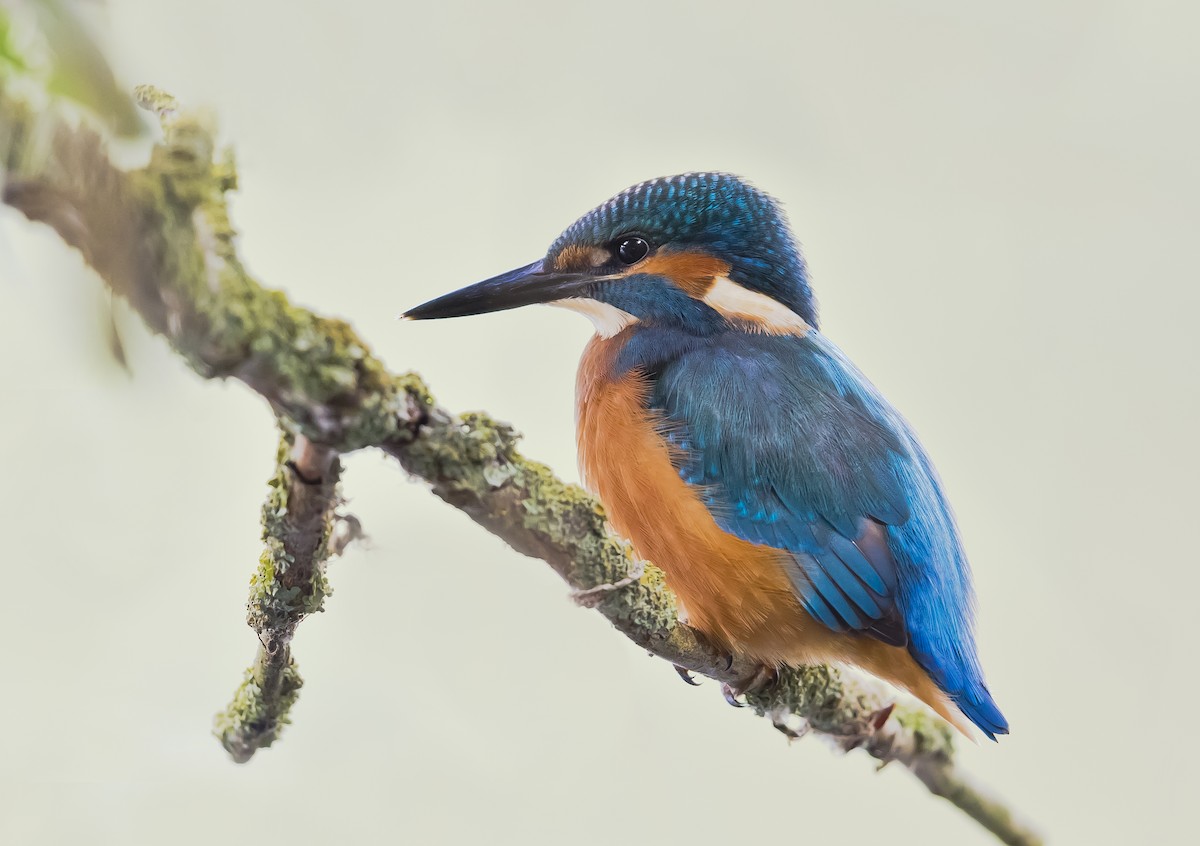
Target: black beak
(524, 286)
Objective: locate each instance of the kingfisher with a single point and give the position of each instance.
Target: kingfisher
(792, 509)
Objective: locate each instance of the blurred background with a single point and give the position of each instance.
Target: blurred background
(999, 206)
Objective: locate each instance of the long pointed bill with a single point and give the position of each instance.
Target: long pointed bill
(523, 286)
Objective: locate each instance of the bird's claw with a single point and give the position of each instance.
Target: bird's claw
(686, 675)
(719, 654)
(759, 679)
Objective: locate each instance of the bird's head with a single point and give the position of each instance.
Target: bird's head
(699, 252)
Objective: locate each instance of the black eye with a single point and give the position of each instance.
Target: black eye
(631, 250)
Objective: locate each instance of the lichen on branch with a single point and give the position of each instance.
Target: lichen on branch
(298, 517)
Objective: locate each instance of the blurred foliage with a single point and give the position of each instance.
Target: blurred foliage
(49, 52)
(52, 43)
(9, 57)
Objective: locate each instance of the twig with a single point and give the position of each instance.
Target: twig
(590, 597)
(297, 518)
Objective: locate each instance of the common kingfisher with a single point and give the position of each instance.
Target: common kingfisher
(795, 514)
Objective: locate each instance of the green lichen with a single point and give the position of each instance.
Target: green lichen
(153, 99)
(932, 736)
(232, 325)
(646, 609)
(274, 606)
(453, 454)
(474, 464)
(271, 605)
(821, 695)
(288, 585)
(568, 515)
(412, 385)
(278, 600)
(254, 720)
(814, 692)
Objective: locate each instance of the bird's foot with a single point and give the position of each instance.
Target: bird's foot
(590, 597)
(762, 677)
(722, 658)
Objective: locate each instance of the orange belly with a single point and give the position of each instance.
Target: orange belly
(734, 591)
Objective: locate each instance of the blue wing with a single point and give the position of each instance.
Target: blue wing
(793, 448)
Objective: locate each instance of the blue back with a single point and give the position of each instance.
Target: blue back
(792, 447)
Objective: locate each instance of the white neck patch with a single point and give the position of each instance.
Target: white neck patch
(767, 315)
(608, 320)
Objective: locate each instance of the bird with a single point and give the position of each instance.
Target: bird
(793, 511)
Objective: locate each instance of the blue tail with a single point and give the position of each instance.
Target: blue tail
(963, 683)
(936, 595)
(982, 710)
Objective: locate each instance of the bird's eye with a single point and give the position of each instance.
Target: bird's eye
(631, 250)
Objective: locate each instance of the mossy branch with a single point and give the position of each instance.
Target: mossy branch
(298, 517)
(160, 236)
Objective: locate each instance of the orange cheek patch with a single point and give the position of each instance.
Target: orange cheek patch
(693, 272)
(579, 257)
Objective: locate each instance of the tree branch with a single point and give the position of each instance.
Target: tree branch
(298, 518)
(161, 237)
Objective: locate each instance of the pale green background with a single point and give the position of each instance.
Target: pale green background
(999, 204)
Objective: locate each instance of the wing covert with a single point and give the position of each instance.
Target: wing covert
(788, 452)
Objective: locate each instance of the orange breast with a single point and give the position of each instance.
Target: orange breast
(734, 591)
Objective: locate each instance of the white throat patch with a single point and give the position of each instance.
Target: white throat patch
(608, 320)
(760, 311)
